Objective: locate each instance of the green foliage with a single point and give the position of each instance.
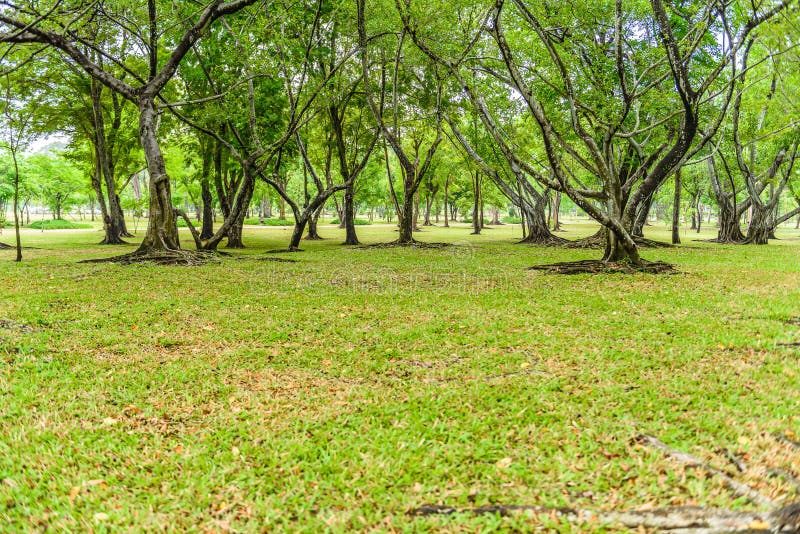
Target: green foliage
(57, 224)
(270, 221)
(356, 221)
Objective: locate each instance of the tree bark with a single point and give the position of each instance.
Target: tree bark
(556, 210)
(761, 224)
(207, 230)
(447, 201)
(162, 230)
(113, 221)
(406, 219)
(235, 231)
(313, 234)
(16, 206)
(476, 206)
(676, 210)
(349, 210)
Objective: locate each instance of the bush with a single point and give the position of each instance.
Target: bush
(57, 224)
(270, 222)
(358, 222)
(512, 220)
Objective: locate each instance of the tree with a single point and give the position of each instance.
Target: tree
(627, 105)
(421, 98)
(16, 133)
(43, 25)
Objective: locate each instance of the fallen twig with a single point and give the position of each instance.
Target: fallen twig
(673, 519)
(787, 441)
(742, 490)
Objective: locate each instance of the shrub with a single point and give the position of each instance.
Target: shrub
(358, 222)
(57, 224)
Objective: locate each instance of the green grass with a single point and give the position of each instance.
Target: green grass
(58, 224)
(342, 391)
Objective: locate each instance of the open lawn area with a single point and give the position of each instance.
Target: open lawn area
(347, 388)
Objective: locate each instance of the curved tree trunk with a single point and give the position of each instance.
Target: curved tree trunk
(535, 228)
(476, 206)
(162, 230)
(642, 212)
(729, 229)
(556, 209)
(676, 210)
(297, 233)
(207, 230)
(235, 231)
(349, 210)
(761, 223)
(313, 234)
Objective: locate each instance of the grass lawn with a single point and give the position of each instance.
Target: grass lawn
(344, 390)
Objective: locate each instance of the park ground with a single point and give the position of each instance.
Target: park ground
(344, 390)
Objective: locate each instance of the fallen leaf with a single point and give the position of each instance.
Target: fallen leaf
(100, 516)
(131, 410)
(10, 483)
(503, 463)
(758, 525)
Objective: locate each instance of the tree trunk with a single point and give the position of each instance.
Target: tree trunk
(113, 221)
(16, 206)
(349, 211)
(699, 216)
(234, 234)
(446, 202)
(428, 205)
(534, 221)
(406, 219)
(729, 229)
(297, 233)
(761, 223)
(476, 206)
(207, 230)
(642, 212)
(313, 234)
(617, 250)
(676, 210)
(162, 230)
(556, 210)
(495, 216)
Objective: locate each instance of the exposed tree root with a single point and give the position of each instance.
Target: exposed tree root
(787, 441)
(599, 266)
(8, 324)
(672, 519)
(412, 244)
(598, 240)
(3, 246)
(189, 258)
(643, 242)
(313, 238)
(265, 258)
(741, 490)
(548, 240)
(117, 241)
(719, 241)
(282, 250)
